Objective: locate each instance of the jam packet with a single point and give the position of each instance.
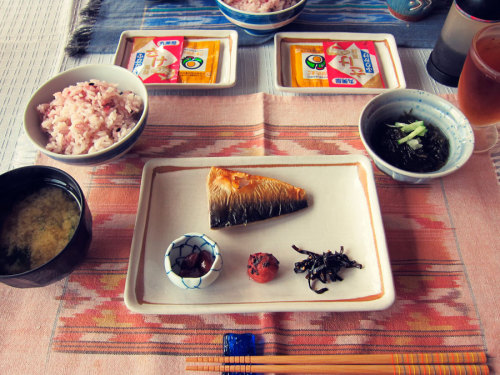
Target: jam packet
(308, 66)
(199, 62)
(352, 64)
(156, 59)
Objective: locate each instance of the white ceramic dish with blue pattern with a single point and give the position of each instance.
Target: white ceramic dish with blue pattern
(425, 106)
(125, 80)
(261, 23)
(182, 247)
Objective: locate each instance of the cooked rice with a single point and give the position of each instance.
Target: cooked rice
(261, 6)
(88, 117)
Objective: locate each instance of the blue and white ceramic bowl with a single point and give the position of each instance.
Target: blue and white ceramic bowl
(125, 80)
(411, 10)
(182, 247)
(261, 23)
(425, 106)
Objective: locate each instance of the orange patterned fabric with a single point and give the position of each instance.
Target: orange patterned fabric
(442, 239)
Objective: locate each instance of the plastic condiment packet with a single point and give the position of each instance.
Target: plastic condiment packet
(199, 62)
(352, 64)
(156, 59)
(308, 66)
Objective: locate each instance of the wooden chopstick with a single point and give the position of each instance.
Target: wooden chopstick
(352, 359)
(449, 369)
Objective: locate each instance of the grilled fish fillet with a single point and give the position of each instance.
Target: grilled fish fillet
(236, 198)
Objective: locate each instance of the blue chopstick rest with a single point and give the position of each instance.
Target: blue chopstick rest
(238, 344)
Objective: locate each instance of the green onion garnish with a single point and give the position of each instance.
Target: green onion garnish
(415, 129)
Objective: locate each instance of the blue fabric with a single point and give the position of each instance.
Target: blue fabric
(318, 15)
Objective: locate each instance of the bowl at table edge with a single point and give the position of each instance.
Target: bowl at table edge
(125, 80)
(184, 246)
(261, 23)
(27, 179)
(425, 106)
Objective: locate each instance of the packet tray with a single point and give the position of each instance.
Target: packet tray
(226, 72)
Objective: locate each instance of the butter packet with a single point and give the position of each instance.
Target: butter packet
(156, 59)
(199, 62)
(308, 66)
(352, 64)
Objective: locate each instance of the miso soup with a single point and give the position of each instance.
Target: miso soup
(36, 227)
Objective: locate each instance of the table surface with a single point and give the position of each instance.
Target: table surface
(32, 40)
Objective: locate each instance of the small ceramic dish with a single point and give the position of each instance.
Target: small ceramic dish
(261, 23)
(183, 247)
(226, 68)
(424, 106)
(124, 80)
(389, 62)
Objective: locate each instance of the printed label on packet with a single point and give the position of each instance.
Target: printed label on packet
(308, 66)
(156, 59)
(352, 64)
(199, 62)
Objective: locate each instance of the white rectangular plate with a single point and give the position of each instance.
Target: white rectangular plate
(385, 46)
(226, 72)
(343, 211)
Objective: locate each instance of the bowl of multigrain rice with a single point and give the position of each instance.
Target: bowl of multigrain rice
(261, 17)
(45, 226)
(87, 115)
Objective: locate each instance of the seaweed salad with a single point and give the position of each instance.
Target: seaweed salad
(410, 144)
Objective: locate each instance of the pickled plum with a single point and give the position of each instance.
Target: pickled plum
(262, 267)
(196, 264)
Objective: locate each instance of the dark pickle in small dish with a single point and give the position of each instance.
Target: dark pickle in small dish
(411, 144)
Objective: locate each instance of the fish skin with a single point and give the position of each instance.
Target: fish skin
(238, 198)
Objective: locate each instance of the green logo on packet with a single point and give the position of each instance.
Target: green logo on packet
(316, 62)
(191, 63)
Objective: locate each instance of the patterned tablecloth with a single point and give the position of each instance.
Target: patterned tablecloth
(442, 239)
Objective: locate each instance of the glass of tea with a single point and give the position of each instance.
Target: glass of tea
(479, 87)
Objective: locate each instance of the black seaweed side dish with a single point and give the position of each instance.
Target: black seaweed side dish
(429, 158)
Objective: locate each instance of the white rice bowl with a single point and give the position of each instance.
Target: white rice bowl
(261, 17)
(88, 117)
(261, 6)
(87, 132)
